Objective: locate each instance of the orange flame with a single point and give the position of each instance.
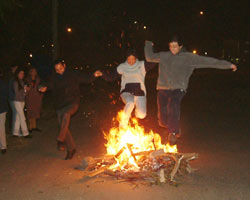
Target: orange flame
(125, 142)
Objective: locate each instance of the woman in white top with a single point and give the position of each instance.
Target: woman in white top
(133, 91)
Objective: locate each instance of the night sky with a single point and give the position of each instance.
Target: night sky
(103, 30)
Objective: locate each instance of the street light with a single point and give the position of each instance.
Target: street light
(31, 55)
(145, 27)
(194, 51)
(69, 30)
(201, 12)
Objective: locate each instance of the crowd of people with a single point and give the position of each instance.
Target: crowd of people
(175, 68)
(19, 92)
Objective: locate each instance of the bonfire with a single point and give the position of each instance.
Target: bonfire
(134, 155)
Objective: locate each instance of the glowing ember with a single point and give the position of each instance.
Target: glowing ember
(125, 143)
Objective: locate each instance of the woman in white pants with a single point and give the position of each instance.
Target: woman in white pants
(3, 111)
(17, 98)
(133, 91)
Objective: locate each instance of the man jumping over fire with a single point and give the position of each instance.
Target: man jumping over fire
(175, 69)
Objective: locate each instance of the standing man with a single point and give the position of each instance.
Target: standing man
(64, 84)
(175, 68)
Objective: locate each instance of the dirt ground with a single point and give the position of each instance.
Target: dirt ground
(214, 122)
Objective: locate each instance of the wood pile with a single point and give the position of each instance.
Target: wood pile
(153, 166)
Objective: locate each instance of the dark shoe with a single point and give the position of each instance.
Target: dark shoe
(70, 154)
(28, 137)
(60, 146)
(172, 139)
(4, 151)
(15, 136)
(37, 129)
(30, 130)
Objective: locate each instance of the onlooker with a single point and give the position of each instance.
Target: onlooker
(3, 111)
(33, 100)
(175, 68)
(17, 101)
(64, 84)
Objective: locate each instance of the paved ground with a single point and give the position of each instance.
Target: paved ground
(215, 124)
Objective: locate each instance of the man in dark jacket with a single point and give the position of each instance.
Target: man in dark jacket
(64, 84)
(3, 111)
(175, 68)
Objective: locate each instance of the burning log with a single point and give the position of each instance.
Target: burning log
(133, 154)
(156, 166)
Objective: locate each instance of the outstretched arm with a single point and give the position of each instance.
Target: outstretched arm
(111, 75)
(149, 53)
(85, 78)
(208, 62)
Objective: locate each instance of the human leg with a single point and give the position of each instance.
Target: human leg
(128, 99)
(140, 107)
(162, 103)
(20, 113)
(3, 144)
(15, 120)
(64, 116)
(174, 115)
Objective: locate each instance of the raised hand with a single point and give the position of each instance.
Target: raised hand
(233, 67)
(98, 73)
(42, 89)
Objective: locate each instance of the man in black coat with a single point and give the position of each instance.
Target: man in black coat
(64, 84)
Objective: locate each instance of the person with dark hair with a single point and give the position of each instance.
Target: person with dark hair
(64, 84)
(3, 111)
(175, 68)
(17, 93)
(133, 90)
(33, 99)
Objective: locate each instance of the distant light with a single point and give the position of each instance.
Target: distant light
(31, 55)
(69, 30)
(194, 51)
(205, 53)
(43, 45)
(52, 45)
(145, 27)
(29, 63)
(135, 22)
(201, 12)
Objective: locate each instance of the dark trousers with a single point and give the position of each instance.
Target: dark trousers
(64, 116)
(169, 109)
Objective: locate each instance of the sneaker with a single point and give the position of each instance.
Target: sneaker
(60, 146)
(172, 138)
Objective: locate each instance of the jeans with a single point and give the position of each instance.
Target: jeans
(131, 101)
(3, 144)
(169, 102)
(18, 119)
(64, 116)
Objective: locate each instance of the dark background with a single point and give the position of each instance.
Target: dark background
(103, 30)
